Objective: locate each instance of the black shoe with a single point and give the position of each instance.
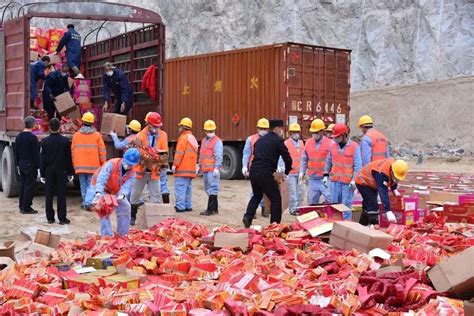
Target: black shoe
(188, 209)
(211, 206)
(132, 221)
(246, 222)
(32, 211)
(65, 222)
(178, 210)
(166, 198)
(133, 214)
(50, 221)
(264, 214)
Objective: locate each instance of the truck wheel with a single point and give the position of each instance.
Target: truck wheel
(9, 176)
(231, 163)
(2, 147)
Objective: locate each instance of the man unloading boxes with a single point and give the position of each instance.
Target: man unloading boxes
(374, 144)
(115, 177)
(72, 41)
(133, 128)
(114, 79)
(375, 179)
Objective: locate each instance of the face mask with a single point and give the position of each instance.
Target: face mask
(180, 130)
(317, 137)
(281, 133)
(126, 166)
(210, 135)
(63, 74)
(151, 130)
(262, 133)
(109, 73)
(295, 136)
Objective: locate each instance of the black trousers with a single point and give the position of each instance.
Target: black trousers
(118, 103)
(55, 185)
(264, 184)
(27, 188)
(50, 108)
(370, 206)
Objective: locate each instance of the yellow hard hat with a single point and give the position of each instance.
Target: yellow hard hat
(263, 123)
(146, 116)
(330, 127)
(186, 121)
(365, 120)
(88, 117)
(400, 169)
(295, 127)
(210, 125)
(316, 126)
(135, 126)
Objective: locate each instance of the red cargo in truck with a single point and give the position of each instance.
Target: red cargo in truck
(133, 51)
(295, 82)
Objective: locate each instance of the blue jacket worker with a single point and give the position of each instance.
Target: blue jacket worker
(36, 74)
(114, 79)
(72, 40)
(116, 177)
(55, 84)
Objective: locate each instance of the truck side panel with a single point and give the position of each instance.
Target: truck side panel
(16, 74)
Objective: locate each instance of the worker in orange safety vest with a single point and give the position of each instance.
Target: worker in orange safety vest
(328, 131)
(152, 136)
(88, 153)
(210, 162)
(185, 166)
(374, 144)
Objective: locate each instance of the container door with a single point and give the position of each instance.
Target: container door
(16, 35)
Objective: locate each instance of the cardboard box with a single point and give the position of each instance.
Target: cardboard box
(82, 85)
(125, 281)
(468, 308)
(232, 240)
(348, 235)
(34, 56)
(314, 224)
(151, 214)
(82, 97)
(403, 218)
(283, 191)
(455, 274)
(113, 122)
(6, 263)
(459, 213)
(55, 59)
(47, 239)
(8, 250)
(330, 211)
(64, 103)
(100, 262)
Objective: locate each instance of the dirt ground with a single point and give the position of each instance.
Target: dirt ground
(232, 204)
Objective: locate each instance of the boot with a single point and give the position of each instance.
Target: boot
(264, 213)
(133, 214)
(211, 206)
(166, 198)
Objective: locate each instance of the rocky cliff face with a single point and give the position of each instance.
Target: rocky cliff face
(393, 42)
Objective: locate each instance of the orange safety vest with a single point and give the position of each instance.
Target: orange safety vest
(88, 152)
(365, 177)
(342, 168)
(161, 144)
(317, 157)
(185, 157)
(253, 140)
(207, 154)
(379, 144)
(130, 140)
(115, 181)
(295, 154)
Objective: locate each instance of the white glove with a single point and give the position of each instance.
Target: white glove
(280, 170)
(396, 192)
(300, 178)
(245, 172)
(121, 196)
(96, 198)
(70, 178)
(325, 181)
(43, 180)
(216, 172)
(113, 134)
(391, 217)
(18, 170)
(197, 170)
(173, 169)
(352, 185)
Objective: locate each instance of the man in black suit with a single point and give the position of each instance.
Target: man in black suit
(56, 169)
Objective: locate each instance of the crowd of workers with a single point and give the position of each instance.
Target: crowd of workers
(332, 165)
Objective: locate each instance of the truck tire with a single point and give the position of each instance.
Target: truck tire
(2, 147)
(10, 182)
(231, 163)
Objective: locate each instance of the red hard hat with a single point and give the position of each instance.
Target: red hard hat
(339, 129)
(154, 119)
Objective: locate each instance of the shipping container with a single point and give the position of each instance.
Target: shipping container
(132, 51)
(291, 81)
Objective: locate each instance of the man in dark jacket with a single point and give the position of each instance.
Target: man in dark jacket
(37, 73)
(114, 79)
(72, 40)
(27, 162)
(56, 169)
(267, 151)
(55, 84)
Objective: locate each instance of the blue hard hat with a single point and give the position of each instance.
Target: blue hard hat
(131, 156)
